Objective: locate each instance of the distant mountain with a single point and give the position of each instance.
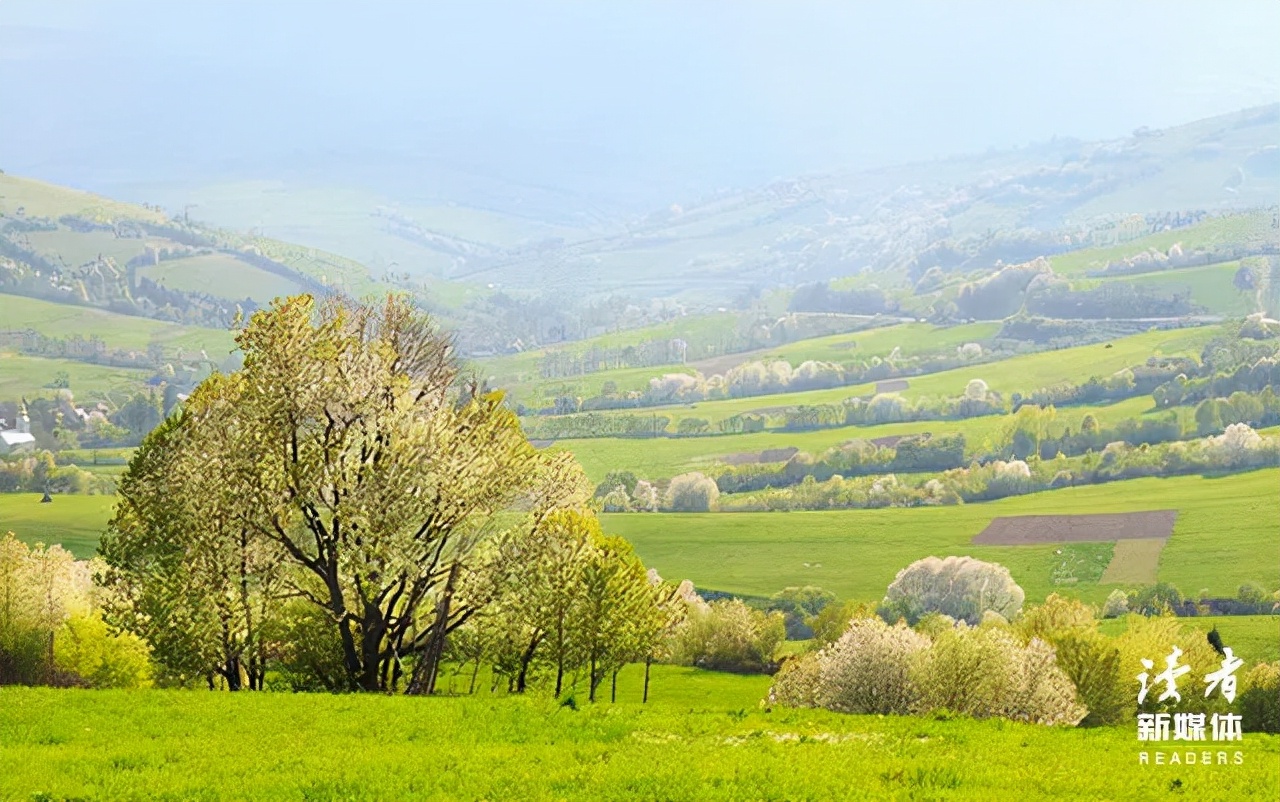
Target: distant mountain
(461, 225)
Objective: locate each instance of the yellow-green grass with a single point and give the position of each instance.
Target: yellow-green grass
(912, 339)
(1024, 374)
(1210, 286)
(1256, 638)
(519, 373)
(1134, 562)
(220, 275)
(1252, 227)
(75, 247)
(1225, 535)
(118, 745)
(40, 199)
(76, 522)
(28, 376)
(116, 330)
(664, 457)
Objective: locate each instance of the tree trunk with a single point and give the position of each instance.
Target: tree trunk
(591, 680)
(559, 674)
(475, 672)
(647, 662)
(428, 665)
(232, 673)
(613, 691)
(523, 678)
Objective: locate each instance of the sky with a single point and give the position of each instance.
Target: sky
(636, 102)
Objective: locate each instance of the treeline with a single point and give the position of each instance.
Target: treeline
(39, 473)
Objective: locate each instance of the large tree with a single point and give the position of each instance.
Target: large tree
(349, 446)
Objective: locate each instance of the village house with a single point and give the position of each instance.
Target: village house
(18, 440)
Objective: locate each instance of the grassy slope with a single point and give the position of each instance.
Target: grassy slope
(519, 375)
(117, 331)
(74, 521)
(40, 199)
(1210, 286)
(1232, 230)
(1023, 374)
(1225, 536)
(114, 745)
(216, 274)
(27, 376)
(662, 458)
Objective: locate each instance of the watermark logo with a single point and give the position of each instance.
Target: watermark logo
(1189, 728)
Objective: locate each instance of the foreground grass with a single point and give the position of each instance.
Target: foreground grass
(1225, 536)
(193, 745)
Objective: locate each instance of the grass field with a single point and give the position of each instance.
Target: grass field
(74, 521)
(664, 457)
(216, 273)
(1225, 536)
(1023, 374)
(716, 744)
(40, 199)
(1210, 286)
(27, 376)
(1230, 230)
(117, 331)
(518, 374)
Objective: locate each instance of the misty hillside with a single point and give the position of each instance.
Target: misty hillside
(1009, 205)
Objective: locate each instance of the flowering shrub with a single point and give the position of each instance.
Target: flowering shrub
(961, 587)
(986, 672)
(692, 492)
(729, 636)
(869, 669)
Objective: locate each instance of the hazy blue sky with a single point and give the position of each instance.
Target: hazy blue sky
(625, 98)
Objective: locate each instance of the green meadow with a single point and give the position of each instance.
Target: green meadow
(1211, 286)
(1224, 537)
(701, 737)
(74, 521)
(1230, 230)
(664, 457)
(27, 376)
(216, 273)
(116, 330)
(1024, 374)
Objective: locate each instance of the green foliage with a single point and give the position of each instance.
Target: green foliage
(85, 648)
(1260, 699)
(729, 636)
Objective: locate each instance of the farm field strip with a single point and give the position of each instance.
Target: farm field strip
(1225, 526)
(1024, 374)
(19, 313)
(664, 457)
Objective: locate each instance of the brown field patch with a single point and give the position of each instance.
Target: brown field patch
(892, 386)
(768, 455)
(1027, 530)
(1135, 562)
